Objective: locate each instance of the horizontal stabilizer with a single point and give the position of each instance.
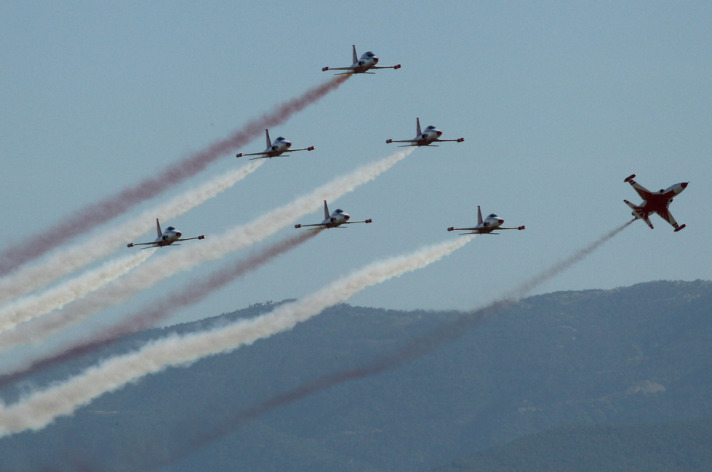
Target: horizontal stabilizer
(639, 213)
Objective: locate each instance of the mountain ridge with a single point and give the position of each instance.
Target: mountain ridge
(629, 355)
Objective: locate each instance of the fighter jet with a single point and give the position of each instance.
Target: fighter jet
(334, 220)
(170, 236)
(655, 202)
(277, 148)
(486, 226)
(424, 138)
(362, 66)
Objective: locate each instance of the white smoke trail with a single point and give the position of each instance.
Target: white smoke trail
(234, 239)
(27, 308)
(158, 309)
(114, 205)
(40, 408)
(74, 258)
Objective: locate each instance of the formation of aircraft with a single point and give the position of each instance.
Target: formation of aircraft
(655, 202)
(424, 138)
(363, 65)
(485, 226)
(333, 220)
(275, 148)
(165, 238)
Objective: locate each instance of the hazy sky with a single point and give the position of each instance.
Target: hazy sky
(557, 101)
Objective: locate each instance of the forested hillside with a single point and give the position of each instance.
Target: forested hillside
(628, 356)
(654, 447)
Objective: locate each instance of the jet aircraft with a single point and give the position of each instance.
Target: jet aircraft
(275, 148)
(334, 220)
(424, 138)
(655, 202)
(362, 66)
(486, 226)
(165, 238)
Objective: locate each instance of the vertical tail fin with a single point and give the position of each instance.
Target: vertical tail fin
(158, 228)
(479, 216)
(269, 142)
(417, 127)
(355, 56)
(326, 211)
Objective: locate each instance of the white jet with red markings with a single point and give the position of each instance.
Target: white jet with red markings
(655, 202)
(363, 65)
(424, 138)
(485, 226)
(275, 148)
(333, 220)
(165, 238)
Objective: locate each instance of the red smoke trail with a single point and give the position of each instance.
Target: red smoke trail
(160, 309)
(115, 205)
(432, 340)
(412, 350)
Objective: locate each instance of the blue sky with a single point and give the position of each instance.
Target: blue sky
(558, 103)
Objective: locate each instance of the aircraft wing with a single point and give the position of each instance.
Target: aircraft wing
(153, 244)
(411, 142)
(310, 148)
(352, 222)
(458, 140)
(643, 192)
(320, 225)
(389, 141)
(351, 68)
(471, 230)
(483, 230)
(202, 236)
(261, 154)
(667, 216)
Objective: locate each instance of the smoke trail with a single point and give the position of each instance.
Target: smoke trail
(40, 408)
(72, 259)
(158, 309)
(114, 205)
(27, 308)
(234, 239)
(564, 264)
(412, 350)
(433, 339)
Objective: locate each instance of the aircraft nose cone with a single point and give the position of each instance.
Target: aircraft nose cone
(500, 221)
(684, 184)
(440, 133)
(289, 144)
(346, 216)
(375, 60)
(179, 234)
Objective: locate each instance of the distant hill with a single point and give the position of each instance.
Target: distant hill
(629, 356)
(656, 447)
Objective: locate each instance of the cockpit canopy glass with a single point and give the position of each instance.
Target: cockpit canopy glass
(171, 228)
(492, 215)
(369, 54)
